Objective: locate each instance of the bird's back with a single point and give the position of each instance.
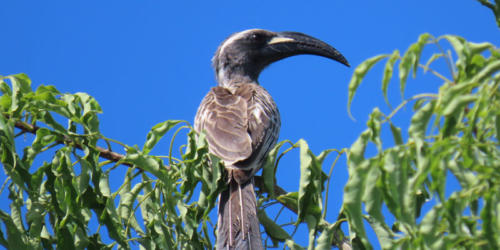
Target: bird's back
(242, 124)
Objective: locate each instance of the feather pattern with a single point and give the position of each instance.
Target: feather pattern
(242, 123)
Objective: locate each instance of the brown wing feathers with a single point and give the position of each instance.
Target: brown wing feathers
(241, 124)
(226, 123)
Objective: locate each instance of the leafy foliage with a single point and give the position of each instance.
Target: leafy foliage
(59, 185)
(453, 134)
(59, 188)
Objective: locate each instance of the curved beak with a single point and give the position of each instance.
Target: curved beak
(286, 44)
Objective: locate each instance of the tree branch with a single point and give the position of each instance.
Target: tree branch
(104, 153)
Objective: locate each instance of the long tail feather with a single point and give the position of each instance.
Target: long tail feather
(238, 225)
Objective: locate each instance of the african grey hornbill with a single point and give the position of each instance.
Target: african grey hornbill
(242, 123)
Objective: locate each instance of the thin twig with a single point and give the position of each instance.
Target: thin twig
(448, 60)
(328, 182)
(427, 68)
(400, 106)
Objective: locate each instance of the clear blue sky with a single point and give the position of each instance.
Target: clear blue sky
(149, 61)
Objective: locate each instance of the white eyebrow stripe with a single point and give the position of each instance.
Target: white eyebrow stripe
(234, 38)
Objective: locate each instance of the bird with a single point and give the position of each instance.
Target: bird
(241, 122)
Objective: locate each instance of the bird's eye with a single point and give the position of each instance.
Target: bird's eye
(256, 37)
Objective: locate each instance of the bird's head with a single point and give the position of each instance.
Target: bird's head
(243, 55)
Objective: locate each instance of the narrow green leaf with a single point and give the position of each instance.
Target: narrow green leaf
(358, 75)
(429, 227)
(458, 103)
(420, 120)
(417, 50)
(268, 171)
(35, 216)
(4, 87)
(497, 128)
(104, 185)
(477, 48)
(374, 124)
(21, 85)
(433, 58)
(411, 60)
(14, 236)
(274, 231)
(7, 132)
(353, 190)
(125, 208)
(290, 200)
(43, 138)
(148, 163)
(394, 181)
(325, 239)
(396, 134)
(389, 68)
(461, 48)
(157, 132)
(486, 72)
(6, 98)
(373, 198)
(418, 104)
(310, 185)
(84, 178)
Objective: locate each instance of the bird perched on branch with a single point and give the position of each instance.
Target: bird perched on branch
(242, 123)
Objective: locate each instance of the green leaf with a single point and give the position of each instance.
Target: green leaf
(477, 48)
(125, 208)
(488, 71)
(326, 237)
(433, 58)
(461, 48)
(21, 85)
(14, 236)
(411, 60)
(310, 185)
(497, 128)
(389, 68)
(457, 104)
(43, 138)
(148, 163)
(490, 218)
(274, 231)
(358, 75)
(7, 132)
(290, 200)
(373, 198)
(353, 190)
(157, 132)
(269, 169)
(396, 134)
(420, 120)
(429, 227)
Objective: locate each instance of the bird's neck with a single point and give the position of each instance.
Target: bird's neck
(228, 77)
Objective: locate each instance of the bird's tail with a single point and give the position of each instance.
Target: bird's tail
(238, 225)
